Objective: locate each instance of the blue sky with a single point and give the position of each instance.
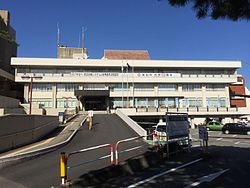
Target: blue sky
(166, 32)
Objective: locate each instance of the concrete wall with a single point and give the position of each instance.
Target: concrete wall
(7, 102)
(19, 130)
(133, 125)
(54, 111)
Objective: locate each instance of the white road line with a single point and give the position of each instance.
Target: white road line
(163, 173)
(219, 138)
(234, 136)
(196, 146)
(236, 143)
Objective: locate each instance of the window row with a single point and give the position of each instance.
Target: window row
(124, 87)
(60, 103)
(170, 102)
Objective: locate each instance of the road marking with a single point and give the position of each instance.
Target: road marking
(207, 178)
(219, 138)
(131, 149)
(236, 143)
(196, 146)
(163, 173)
(234, 136)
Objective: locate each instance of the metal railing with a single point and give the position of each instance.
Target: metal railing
(65, 157)
(127, 150)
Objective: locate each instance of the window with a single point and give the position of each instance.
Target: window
(45, 103)
(216, 102)
(215, 87)
(117, 102)
(144, 87)
(41, 87)
(193, 102)
(67, 87)
(191, 87)
(118, 87)
(167, 87)
(141, 102)
(64, 103)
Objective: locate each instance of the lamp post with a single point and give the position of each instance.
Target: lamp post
(31, 84)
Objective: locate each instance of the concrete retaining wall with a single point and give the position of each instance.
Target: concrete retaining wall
(137, 128)
(19, 130)
(7, 102)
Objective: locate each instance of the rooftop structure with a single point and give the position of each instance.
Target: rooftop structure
(126, 54)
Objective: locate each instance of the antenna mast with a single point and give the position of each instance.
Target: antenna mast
(83, 30)
(58, 35)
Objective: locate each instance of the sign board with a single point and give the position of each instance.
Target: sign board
(203, 133)
(90, 113)
(61, 116)
(177, 125)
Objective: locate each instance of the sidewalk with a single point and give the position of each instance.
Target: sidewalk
(46, 145)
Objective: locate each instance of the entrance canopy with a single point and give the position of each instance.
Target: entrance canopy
(92, 93)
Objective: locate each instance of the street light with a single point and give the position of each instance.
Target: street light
(31, 82)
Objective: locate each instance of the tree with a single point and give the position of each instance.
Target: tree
(217, 9)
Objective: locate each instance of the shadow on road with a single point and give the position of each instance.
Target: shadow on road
(236, 159)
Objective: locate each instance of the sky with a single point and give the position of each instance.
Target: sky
(167, 32)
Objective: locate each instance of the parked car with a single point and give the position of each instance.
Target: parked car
(160, 130)
(236, 128)
(214, 126)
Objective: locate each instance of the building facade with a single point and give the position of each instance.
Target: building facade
(238, 88)
(8, 49)
(110, 82)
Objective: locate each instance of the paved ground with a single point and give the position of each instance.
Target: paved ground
(228, 159)
(43, 171)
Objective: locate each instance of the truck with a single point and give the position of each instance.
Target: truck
(173, 134)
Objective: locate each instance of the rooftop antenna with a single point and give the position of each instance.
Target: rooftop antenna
(79, 40)
(58, 35)
(83, 30)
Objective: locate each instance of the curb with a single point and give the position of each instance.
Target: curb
(70, 118)
(31, 154)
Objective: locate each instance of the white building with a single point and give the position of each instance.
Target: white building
(126, 79)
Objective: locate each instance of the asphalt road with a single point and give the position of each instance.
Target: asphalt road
(43, 171)
(226, 165)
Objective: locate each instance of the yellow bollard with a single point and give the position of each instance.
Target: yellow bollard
(63, 168)
(90, 123)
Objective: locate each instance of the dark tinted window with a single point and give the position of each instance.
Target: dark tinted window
(161, 128)
(230, 125)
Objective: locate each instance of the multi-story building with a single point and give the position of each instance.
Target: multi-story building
(126, 79)
(8, 49)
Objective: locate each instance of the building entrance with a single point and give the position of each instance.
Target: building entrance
(95, 103)
(93, 99)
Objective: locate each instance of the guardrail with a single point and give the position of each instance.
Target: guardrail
(127, 150)
(65, 157)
